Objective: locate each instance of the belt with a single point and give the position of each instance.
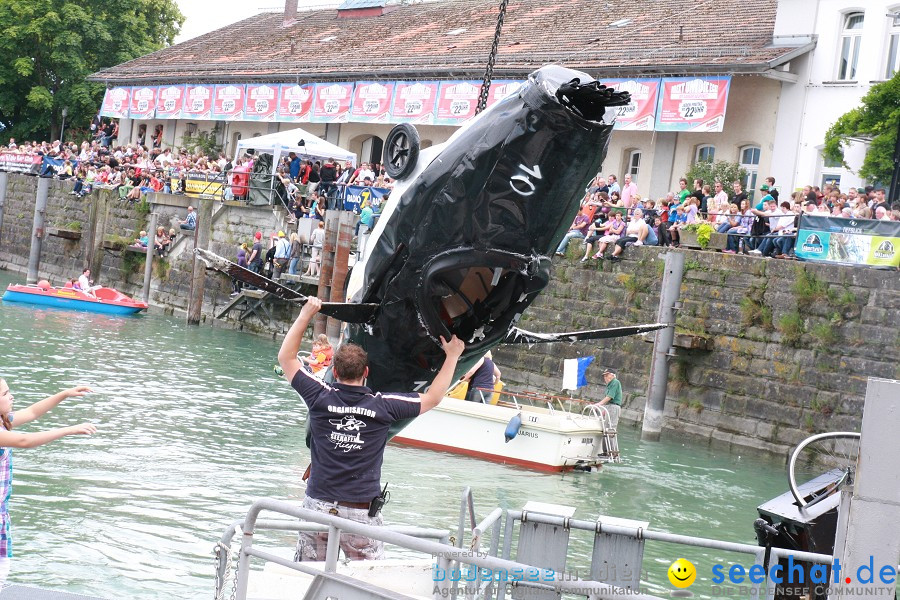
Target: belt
(352, 504)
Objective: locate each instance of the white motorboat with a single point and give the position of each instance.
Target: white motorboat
(548, 433)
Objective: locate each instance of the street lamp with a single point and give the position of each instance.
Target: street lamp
(65, 113)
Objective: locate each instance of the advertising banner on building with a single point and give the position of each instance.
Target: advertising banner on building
(332, 104)
(500, 90)
(357, 195)
(262, 102)
(116, 103)
(198, 101)
(20, 163)
(228, 103)
(143, 103)
(864, 242)
(414, 102)
(457, 101)
(693, 104)
(295, 103)
(640, 113)
(169, 102)
(372, 102)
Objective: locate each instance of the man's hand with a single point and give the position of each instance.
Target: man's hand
(78, 392)
(312, 306)
(454, 348)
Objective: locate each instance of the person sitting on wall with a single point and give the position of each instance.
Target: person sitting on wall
(161, 241)
(190, 222)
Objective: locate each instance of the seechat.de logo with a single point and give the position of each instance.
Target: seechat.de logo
(682, 573)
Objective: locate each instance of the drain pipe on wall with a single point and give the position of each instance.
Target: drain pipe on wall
(37, 231)
(662, 347)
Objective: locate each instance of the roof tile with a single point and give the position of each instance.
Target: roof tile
(663, 36)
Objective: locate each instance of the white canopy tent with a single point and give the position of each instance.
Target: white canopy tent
(300, 141)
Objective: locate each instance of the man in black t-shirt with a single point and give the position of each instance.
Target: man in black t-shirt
(739, 194)
(349, 426)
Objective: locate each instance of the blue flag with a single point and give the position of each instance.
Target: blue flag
(583, 364)
(574, 370)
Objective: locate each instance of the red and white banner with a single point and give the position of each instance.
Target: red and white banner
(198, 101)
(457, 101)
(372, 102)
(21, 163)
(414, 102)
(640, 113)
(332, 104)
(295, 102)
(693, 104)
(169, 102)
(262, 102)
(500, 90)
(143, 103)
(228, 103)
(116, 103)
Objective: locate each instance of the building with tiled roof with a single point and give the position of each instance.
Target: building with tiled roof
(450, 40)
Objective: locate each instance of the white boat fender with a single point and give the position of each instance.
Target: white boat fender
(512, 428)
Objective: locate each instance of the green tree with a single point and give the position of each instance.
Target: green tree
(877, 120)
(49, 47)
(711, 172)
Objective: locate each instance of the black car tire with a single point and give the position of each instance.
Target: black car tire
(401, 151)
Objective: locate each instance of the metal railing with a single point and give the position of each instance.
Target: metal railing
(445, 554)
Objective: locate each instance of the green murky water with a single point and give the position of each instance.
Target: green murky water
(193, 426)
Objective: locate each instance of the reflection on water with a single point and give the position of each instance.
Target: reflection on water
(193, 426)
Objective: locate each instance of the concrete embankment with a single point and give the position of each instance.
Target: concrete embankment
(769, 350)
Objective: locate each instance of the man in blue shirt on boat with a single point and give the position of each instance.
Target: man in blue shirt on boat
(349, 427)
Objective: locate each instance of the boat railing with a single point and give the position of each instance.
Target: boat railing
(563, 404)
(445, 555)
(627, 540)
(617, 550)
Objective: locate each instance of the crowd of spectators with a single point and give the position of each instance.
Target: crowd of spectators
(136, 169)
(614, 217)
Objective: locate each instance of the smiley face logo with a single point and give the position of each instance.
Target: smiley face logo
(682, 573)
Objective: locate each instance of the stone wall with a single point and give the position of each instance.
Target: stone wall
(791, 343)
(102, 216)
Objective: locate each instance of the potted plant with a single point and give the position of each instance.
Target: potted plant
(696, 235)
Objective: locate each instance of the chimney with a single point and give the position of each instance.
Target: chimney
(290, 13)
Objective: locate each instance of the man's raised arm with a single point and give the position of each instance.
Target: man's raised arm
(453, 349)
(287, 356)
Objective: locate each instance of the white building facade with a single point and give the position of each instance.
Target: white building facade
(857, 45)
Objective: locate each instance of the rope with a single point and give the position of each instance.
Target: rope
(489, 71)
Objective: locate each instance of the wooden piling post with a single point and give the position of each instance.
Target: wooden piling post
(346, 222)
(332, 224)
(151, 250)
(198, 277)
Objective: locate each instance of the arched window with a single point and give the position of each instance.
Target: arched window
(705, 153)
(851, 38)
(893, 45)
(633, 163)
(750, 163)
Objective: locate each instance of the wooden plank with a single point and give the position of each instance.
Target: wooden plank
(69, 234)
(255, 293)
